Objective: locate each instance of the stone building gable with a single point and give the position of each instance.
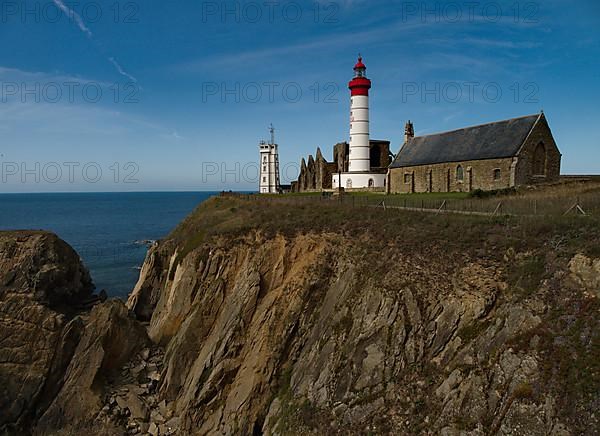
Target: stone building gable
(538, 160)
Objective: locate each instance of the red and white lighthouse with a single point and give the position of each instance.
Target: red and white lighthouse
(359, 119)
(360, 175)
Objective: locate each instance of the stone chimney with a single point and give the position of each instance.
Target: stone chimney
(409, 131)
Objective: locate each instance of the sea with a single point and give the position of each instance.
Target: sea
(111, 231)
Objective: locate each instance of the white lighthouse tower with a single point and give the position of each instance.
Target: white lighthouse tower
(359, 120)
(269, 166)
(359, 175)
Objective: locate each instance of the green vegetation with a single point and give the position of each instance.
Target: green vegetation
(523, 391)
(568, 345)
(526, 274)
(551, 200)
(190, 244)
(415, 196)
(296, 415)
(479, 193)
(471, 331)
(373, 228)
(293, 194)
(344, 325)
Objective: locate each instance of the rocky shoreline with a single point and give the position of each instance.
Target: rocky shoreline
(132, 401)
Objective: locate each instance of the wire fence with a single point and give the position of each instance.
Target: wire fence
(517, 205)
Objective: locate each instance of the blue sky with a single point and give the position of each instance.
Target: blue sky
(188, 88)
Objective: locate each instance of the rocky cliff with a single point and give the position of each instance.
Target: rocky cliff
(54, 349)
(286, 319)
(277, 318)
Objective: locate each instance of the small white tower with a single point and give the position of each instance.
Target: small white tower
(269, 166)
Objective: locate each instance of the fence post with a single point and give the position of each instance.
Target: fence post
(498, 209)
(442, 206)
(578, 209)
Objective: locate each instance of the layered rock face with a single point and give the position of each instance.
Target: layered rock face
(320, 333)
(54, 352)
(41, 280)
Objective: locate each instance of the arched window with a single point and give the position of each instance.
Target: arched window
(539, 160)
(371, 183)
(497, 174)
(460, 174)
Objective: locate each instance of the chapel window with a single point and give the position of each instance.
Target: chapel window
(460, 174)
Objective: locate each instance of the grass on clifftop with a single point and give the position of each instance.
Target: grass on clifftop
(374, 227)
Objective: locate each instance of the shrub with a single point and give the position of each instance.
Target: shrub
(480, 193)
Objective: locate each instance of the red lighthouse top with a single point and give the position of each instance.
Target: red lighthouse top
(360, 85)
(360, 64)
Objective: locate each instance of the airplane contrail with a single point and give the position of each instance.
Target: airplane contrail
(74, 16)
(79, 21)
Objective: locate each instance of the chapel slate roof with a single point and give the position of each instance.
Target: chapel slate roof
(496, 140)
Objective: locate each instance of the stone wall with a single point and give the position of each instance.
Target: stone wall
(477, 174)
(341, 153)
(380, 154)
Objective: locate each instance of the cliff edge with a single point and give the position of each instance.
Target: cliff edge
(288, 319)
